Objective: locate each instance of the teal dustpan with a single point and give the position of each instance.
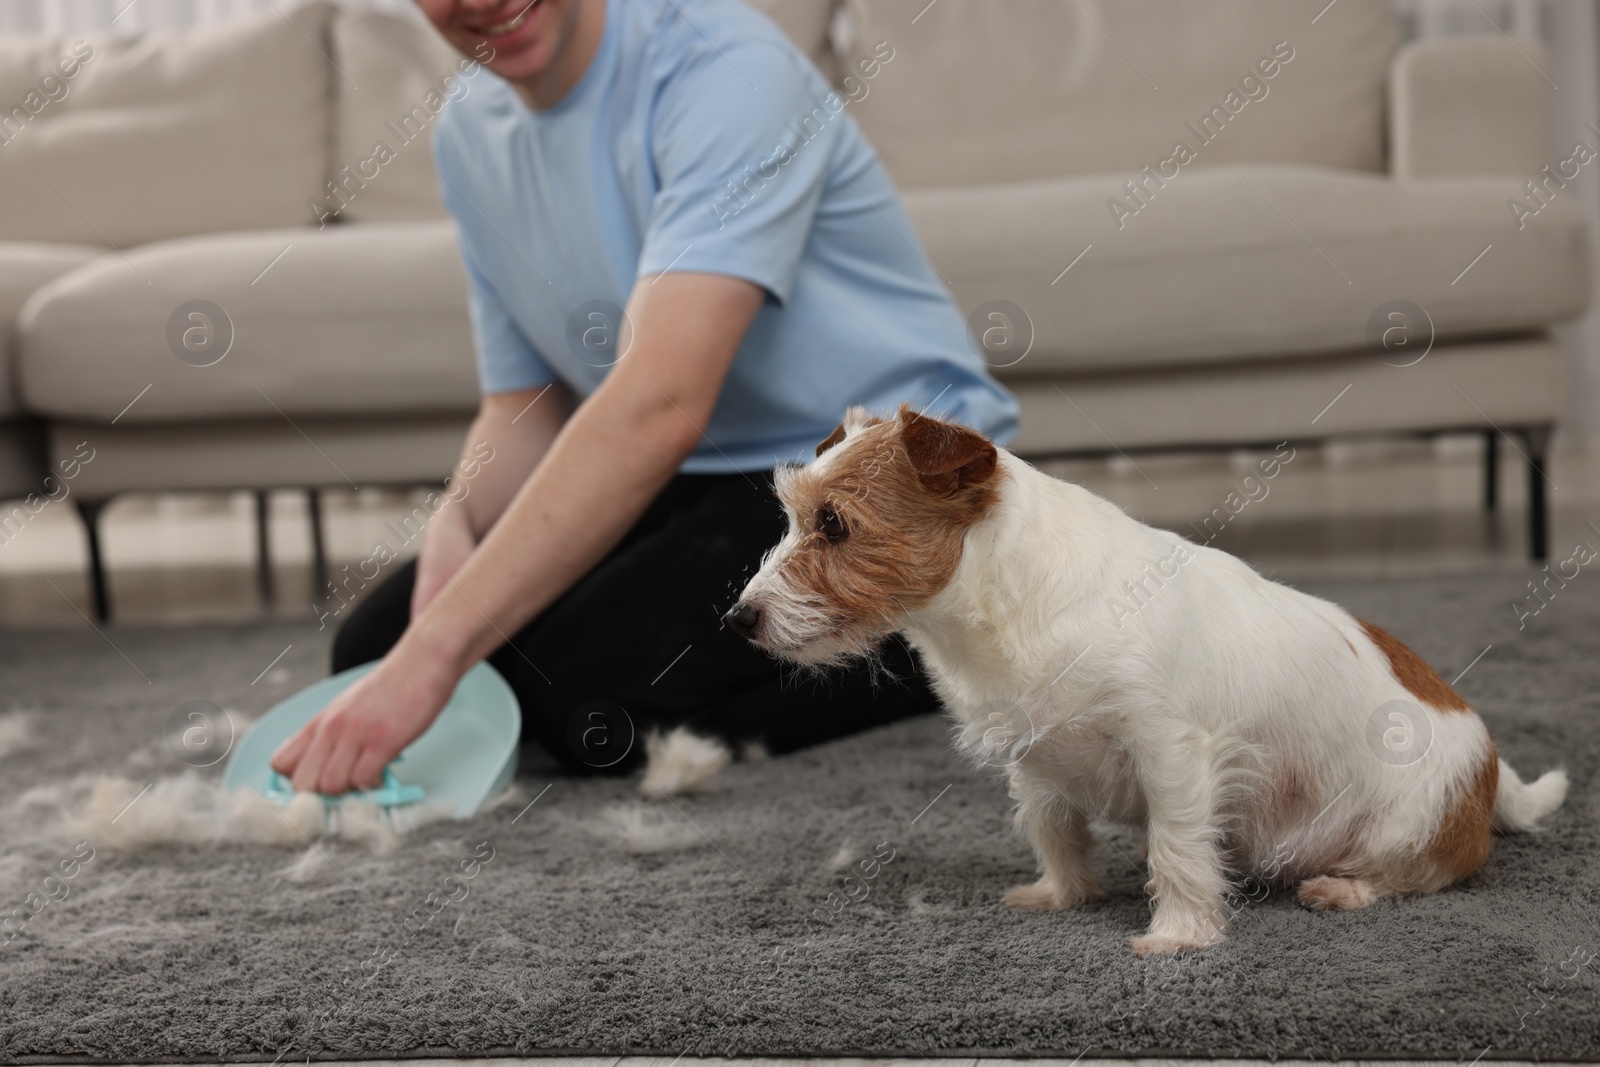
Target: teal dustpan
(468, 755)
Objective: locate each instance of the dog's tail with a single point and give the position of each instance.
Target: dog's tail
(1518, 805)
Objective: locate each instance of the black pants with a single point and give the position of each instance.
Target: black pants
(638, 643)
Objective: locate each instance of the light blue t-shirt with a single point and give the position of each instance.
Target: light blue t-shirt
(700, 139)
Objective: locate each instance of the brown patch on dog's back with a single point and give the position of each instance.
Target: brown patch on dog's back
(1411, 671)
(907, 490)
(1461, 844)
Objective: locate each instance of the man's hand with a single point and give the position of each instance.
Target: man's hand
(349, 742)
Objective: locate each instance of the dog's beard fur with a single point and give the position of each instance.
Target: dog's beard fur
(798, 628)
(796, 625)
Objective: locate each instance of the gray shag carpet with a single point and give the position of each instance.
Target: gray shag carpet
(604, 925)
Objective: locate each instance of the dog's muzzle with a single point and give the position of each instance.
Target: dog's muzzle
(742, 619)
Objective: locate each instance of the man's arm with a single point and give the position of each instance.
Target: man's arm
(521, 426)
(607, 463)
(512, 433)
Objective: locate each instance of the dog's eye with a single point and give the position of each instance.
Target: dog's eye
(830, 525)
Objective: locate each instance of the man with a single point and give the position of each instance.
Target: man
(681, 158)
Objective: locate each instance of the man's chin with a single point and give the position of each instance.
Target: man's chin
(523, 68)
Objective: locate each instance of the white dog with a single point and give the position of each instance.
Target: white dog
(1126, 674)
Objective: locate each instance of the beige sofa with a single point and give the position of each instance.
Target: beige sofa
(1133, 295)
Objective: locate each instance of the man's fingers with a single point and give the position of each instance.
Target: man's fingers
(308, 772)
(368, 770)
(288, 755)
(335, 777)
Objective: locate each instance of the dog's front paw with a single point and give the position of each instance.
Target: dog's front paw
(1166, 945)
(1047, 894)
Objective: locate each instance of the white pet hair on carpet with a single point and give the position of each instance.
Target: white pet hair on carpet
(128, 816)
(641, 831)
(136, 814)
(681, 762)
(16, 732)
(846, 856)
(306, 868)
(917, 904)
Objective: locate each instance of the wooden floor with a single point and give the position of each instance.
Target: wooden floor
(1370, 510)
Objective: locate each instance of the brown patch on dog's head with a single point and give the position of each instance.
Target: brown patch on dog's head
(1411, 671)
(877, 525)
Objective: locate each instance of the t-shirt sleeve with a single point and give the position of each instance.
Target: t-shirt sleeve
(507, 360)
(742, 144)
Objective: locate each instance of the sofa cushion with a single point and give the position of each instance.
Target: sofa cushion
(981, 92)
(1510, 384)
(348, 321)
(24, 267)
(258, 453)
(1472, 105)
(401, 73)
(218, 128)
(1245, 263)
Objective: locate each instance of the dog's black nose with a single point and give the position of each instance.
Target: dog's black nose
(742, 619)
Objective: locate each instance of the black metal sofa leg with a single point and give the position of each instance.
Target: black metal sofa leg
(319, 544)
(1491, 470)
(99, 593)
(264, 546)
(1538, 441)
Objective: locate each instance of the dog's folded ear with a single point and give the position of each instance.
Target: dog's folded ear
(856, 419)
(832, 439)
(946, 457)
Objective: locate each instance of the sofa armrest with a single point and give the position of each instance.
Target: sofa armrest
(1469, 106)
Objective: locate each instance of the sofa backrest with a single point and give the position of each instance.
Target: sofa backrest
(807, 22)
(276, 120)
(122, 140)
(395, 73)
(981, 91)
(398, 74)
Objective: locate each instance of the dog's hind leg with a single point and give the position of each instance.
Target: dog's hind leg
(1061, 838)
(1457, 845)
(1330, 893)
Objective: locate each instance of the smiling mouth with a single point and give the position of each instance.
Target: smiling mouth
(500, 29)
